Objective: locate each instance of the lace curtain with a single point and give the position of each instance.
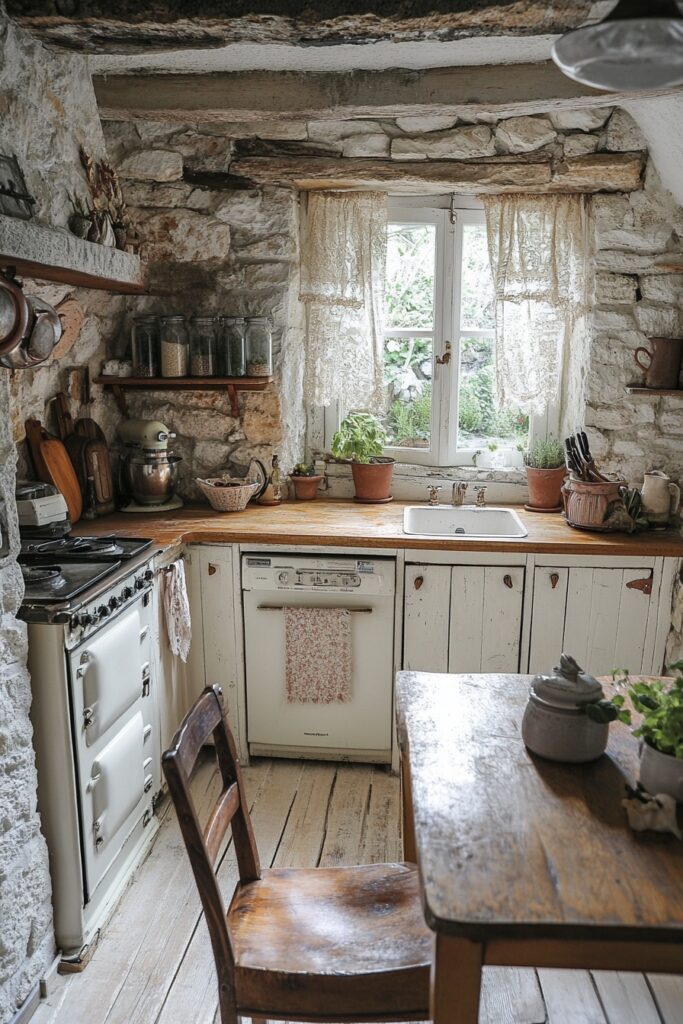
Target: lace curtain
(343, 255)
(537, 250)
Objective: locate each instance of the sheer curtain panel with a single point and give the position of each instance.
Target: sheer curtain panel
(343, 255)
(537, 250)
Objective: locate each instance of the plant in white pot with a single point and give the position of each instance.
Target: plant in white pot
(360, 440)
(545, 473)
(660, 732)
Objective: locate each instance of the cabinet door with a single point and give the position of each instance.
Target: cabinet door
(597, 615)
(426, 617)
(218, 622)
(486, 618)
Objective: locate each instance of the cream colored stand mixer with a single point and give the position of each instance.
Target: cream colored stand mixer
(147, 469)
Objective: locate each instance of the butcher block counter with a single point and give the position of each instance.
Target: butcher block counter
(347, 524)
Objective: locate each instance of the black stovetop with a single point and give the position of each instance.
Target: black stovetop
(81, 549)
(56, 584)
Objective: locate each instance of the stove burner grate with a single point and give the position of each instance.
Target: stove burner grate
(43, 576)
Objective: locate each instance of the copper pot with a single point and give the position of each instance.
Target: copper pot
(663, 364)
(14, 315)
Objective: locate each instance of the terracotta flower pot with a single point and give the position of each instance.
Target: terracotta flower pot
(372, 480)
(545, 487)
(305, 487)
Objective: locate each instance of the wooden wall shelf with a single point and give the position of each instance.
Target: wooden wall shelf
(637, 389)
(49, 255)
(118, 385)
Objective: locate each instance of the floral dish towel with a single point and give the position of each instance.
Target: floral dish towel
(318, 655)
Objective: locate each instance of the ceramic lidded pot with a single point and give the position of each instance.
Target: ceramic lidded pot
(555, 723)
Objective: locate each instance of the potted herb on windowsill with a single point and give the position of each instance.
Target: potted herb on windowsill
(360, 440)
(545, 473)
(305, 481)
(661, 733)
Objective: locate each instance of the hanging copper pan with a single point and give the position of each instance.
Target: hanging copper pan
(14, 314)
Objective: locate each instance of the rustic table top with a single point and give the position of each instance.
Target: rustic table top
(338, 523)
(511, 845)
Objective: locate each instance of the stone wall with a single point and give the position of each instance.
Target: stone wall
(47, 110)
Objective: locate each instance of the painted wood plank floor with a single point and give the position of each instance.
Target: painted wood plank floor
(153, 964)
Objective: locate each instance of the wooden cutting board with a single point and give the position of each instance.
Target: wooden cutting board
(87, 448)
(53, 466)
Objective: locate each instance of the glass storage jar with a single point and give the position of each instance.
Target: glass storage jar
(233, 348)
(259, 341)
(144, 345)
(203, 351)
(175, 347)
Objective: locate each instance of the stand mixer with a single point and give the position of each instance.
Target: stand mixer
(147, 470)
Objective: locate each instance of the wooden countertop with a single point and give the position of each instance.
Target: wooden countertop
(346, 524)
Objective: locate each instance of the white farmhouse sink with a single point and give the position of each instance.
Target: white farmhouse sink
(462, 521)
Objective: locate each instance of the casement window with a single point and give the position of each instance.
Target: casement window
(439, 342)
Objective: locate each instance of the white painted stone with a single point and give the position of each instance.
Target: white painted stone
(585, 119)
(658, 321)
(615, 288)
(456, 144)
(662, 288)
(152, 165)
(435, 123)
(671, 421)
(607, 213)
(621, 262)
(613, 320)
(524, 134)
(366, 146)
(622, 133)
(580, 145)
(636, 240)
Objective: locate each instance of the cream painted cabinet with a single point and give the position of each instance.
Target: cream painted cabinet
(463, 618)
(602, 616)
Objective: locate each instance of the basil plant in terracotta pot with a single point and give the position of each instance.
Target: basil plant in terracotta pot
(305, 481)
(360, 440)
(661, 733)
(545, 473)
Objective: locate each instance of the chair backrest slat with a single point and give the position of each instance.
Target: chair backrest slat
(204, 720)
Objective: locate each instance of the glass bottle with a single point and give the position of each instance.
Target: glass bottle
(144, 346)
(175, 347)
(276, 479)
(233, 353)
(259, 341)
(203, 351)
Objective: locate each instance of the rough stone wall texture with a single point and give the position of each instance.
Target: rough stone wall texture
(47, 110)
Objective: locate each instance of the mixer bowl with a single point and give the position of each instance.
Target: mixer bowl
(150, 481)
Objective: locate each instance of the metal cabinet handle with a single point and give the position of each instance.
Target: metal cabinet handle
(88, 717)
(144, 633)
(445, 359)
(644, 585)
(418, 581)
(212, 569)
(507, 580)
(93, 780)
(554, 579)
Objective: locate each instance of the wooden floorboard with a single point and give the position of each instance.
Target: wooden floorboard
(154, 965)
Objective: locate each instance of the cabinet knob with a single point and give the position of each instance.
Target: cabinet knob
(507, 580)
(212, 570)
(418, 581)
(554, 579)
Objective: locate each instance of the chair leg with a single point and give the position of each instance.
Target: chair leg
(455, 981)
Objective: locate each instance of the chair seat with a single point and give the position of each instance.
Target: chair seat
(351, 938)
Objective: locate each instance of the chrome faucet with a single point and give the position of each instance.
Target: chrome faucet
(433, 494)
(459, 492)
(480, 500)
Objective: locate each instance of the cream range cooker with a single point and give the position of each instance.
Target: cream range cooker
(88, 604)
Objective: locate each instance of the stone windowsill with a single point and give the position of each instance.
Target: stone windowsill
(410, 483)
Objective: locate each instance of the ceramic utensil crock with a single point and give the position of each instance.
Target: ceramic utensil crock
(555, 723)
(662, 365)
(661, 497)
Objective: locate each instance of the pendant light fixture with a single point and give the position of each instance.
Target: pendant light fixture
(639, 45)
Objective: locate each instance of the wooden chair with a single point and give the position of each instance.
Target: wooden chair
(318, 944)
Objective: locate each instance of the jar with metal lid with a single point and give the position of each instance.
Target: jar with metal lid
(203, 350)
(259, 341)
(233, 355)
(144, 346)
(174, 346)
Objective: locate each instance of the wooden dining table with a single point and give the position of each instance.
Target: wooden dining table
(525, 862)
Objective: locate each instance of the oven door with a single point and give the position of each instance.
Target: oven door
(109, 677)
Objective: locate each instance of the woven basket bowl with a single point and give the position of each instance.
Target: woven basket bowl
(227, 499)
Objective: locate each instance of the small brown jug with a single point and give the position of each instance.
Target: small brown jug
(663, 362)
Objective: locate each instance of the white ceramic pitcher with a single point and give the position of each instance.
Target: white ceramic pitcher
(661, 497)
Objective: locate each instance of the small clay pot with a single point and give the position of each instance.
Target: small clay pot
(545, 486)
(305, 487)
(372, 480)
(661, 773)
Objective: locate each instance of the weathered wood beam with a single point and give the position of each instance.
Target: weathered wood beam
(261, 95)
(599, 172)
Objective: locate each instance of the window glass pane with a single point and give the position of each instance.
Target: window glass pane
(476, 304)
(482, 421)
(408, 373)
(409, 295)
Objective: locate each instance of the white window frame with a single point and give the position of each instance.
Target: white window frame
(449, 215)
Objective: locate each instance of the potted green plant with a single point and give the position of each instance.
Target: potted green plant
(545, 473)
(360, 440)
(305, 481)
(661, 732)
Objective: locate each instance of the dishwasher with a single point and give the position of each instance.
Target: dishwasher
(361, 727)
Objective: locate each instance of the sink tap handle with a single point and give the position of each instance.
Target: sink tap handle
(434, 494)
(458, 493)
(480, 500)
